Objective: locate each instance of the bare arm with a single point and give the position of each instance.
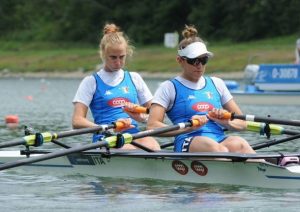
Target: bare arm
(147, 104)
(79, 119)
(235, 124)
(156, 117)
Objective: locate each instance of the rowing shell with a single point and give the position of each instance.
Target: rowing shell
(203, 168)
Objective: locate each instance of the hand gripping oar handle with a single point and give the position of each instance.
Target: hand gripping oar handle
(107, 142)
(261, 119)
(31, 140)
(137, 109)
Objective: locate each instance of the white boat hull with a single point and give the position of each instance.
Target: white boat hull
(192, 170)
(268, 84)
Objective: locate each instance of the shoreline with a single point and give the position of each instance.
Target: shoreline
(81, 75)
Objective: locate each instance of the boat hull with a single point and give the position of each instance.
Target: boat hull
(268, 84)
(172, 167)
(278, 77)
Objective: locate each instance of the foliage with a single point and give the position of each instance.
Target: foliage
(145, 22)
(64, 56)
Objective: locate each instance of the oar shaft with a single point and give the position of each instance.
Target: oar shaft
(141, 146)
(84, 131)
(265, 120)
(166, 129)
(109, 141)
(49, 136)
(137, 109)
(12, 143)
(166, 145)
(51, 155)
(162, 130)
(274, 142)
(290, 132)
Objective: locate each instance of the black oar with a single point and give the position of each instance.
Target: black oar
(268, 120)
(166, 145)
(262, 128)
(274, 142)
(39, 138)
(107, 142)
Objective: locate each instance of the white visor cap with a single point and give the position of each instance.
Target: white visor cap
(194, 50)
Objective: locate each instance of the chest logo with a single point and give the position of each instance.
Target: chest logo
(125, 89)
(191, 97)
(202, 107)
(209, 95)
(108, 92)
(117, 102)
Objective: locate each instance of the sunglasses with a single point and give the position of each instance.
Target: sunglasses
(197, 61)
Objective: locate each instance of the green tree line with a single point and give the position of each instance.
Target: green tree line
(146, 21)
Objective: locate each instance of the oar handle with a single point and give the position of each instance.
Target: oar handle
(195, 122)
(226, 115)
(137, 109)
(119, 125)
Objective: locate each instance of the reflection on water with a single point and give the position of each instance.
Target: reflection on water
(86, 192)
(46, 104)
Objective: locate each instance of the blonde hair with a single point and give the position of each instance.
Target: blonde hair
(190, 35)
(113, 36)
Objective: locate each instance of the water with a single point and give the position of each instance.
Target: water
(46, 104)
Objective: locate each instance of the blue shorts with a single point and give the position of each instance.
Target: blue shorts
(182, 142)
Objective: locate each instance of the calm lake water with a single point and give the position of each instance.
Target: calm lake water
(46, 105)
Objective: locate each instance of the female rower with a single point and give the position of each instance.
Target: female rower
(191, 96)
(112, 88)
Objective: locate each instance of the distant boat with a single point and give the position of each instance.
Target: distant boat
(277, 84)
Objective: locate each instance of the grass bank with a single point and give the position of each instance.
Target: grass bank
(16, 57)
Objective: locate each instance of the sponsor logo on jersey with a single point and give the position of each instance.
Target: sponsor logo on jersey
(202, 106)
(117, 102)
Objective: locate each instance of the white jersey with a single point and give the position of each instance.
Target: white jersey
(87, 86)
(165, 94)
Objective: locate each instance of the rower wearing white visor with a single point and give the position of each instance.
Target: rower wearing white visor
(191, 95)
